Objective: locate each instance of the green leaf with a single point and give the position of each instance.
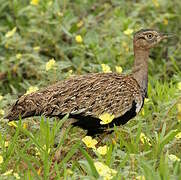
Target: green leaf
(90, 161)
(72, 151)
(169, 137)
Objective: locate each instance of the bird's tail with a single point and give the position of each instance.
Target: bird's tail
(25, 106)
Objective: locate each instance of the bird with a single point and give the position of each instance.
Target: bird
(86, 97)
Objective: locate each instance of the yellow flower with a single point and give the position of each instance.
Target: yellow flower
(179, 107)
(107, 177)
(155, 2)
(119, 69)
(1, 159)
(12, 124)
(173, 158)
(165, 21)
(50, 64)
(8, 172)
(34, 2)
(36, 48)
(69, 73)
(128, 31)
(10, 33)
(89, 142)
(113, 141)
(101, 168)
(25, 125)
(50, 3)
(143, 112)
(1, 112)
(69, 171)
(125, 46)
(80, 23)
(39, 170)
(179, 117)
(37, 151)
(16, 175)
(144, 139)
(6, 144)
(179, 85)
(106, 118)
(60, 14)
(141, 177)
(179, 112)
(31, 89)
(104, 171)
(178, 136)
(106, 68)
(1, 97)
(18, 56)
(78, 39)
(102, 150)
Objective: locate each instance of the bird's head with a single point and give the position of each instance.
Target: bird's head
(147, 38)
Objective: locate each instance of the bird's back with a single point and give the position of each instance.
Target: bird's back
(87, 95)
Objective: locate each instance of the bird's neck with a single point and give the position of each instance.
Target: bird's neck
(140, 68)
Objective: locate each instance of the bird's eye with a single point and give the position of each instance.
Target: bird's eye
(149, 36)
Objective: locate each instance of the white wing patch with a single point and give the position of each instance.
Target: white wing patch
(138, 107)
(139, 103)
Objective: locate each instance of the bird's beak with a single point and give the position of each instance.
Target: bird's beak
(166, 35)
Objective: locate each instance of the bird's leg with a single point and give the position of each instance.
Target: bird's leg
(103, 136)
(67, 125)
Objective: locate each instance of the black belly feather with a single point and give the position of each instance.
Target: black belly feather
(93, 126)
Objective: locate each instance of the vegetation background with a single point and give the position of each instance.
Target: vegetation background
(43, 41)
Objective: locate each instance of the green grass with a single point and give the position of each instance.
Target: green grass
(52, 27)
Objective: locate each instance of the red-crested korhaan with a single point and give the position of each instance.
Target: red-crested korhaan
(87, 97)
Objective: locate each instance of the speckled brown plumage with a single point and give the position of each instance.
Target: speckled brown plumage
(87, 97)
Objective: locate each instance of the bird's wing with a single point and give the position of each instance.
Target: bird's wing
(93, 95)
